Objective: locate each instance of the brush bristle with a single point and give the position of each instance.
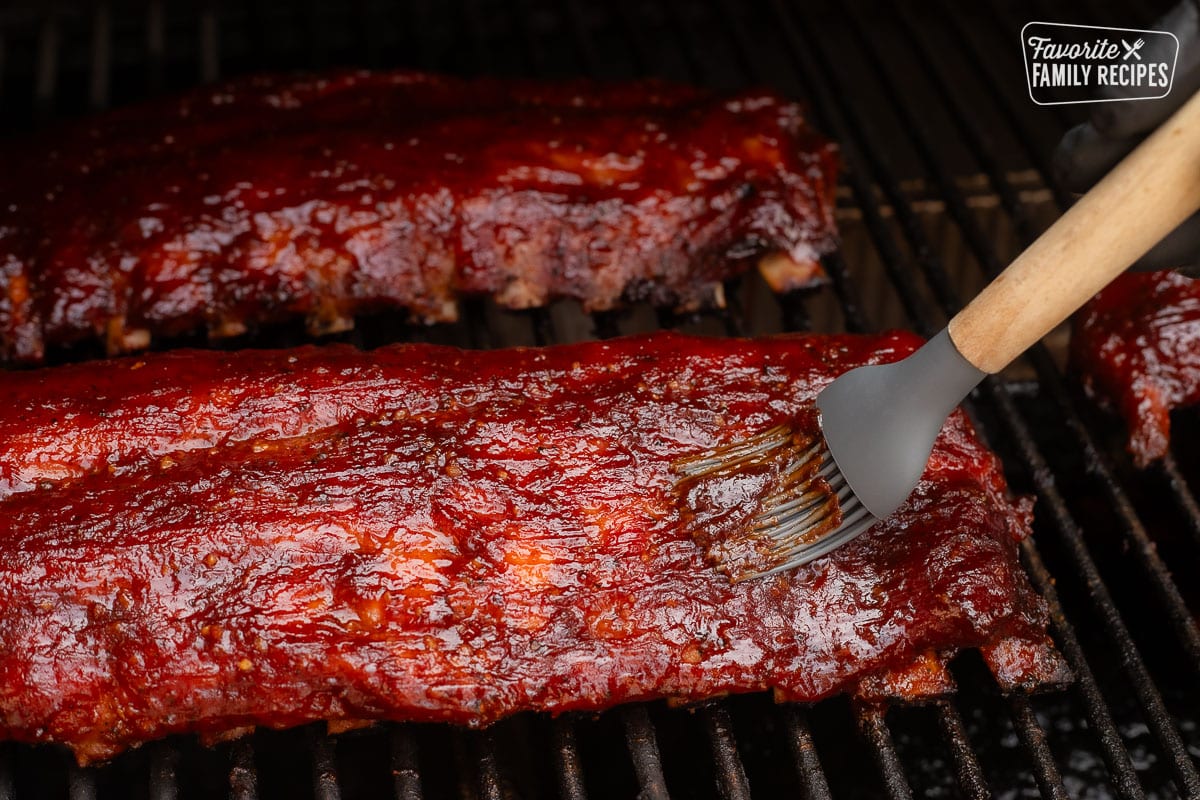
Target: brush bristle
(811, 511)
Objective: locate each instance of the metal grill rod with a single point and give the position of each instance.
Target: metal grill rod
(1169, 471)
(731, 775)
(209, 43)
(804, 749)
(81, 782)
(643, 748)
(243, 773)
(874, 729)
(402, 756)
(1045, 771)
(967, 770)
(6, 773)
(490, 780)
(46, 70)
(156, 46)
(324, 765)
(567, 760)
(164, 759)
(1146, 690)
(98, 90)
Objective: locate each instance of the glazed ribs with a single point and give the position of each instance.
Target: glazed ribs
(1136, 346)
(201, 541)
(325, 197)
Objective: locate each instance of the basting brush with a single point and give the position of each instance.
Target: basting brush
(879, 423)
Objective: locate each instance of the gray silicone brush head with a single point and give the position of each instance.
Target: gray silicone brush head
(880, 422)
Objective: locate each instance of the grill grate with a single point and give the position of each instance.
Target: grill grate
(926, 240)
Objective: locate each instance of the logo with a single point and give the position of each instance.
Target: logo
(1088, 64)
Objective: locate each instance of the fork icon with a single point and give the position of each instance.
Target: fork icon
(1132, 49)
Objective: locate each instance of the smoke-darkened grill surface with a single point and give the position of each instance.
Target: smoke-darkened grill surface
(946, 178)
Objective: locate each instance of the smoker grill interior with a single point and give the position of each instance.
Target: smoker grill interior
(947, 177)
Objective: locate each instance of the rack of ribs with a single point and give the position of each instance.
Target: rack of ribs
(199, 541)
(1136, 346)
(324, 197)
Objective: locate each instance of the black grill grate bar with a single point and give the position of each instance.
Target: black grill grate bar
(804, 750)
(873, 727)
(643, 749)
(98, 89)
(633, 32)
(1045, 771)
(1144, 686)
(402, 757)
(6, 773)
(1050, 378)
(318, 38)
(324, 765)
(81, 783)
(541, 323)
(3, 62)
(845, 289)
(731, 775)
(1169, 470)
(466, 771)
(243, 772)
(491, 784)
(798, 48)
(587, 49)
(46, 69)
(472, 22)
(209, 43)
(164, 760)
(604, 324)
(967, 770)
(731, 312)
(569, 767)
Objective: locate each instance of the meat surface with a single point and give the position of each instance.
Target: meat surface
(1136, 346)
(324, 197)
(201, 541)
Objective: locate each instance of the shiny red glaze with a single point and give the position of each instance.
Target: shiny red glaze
(323, 197)
(1137, 347)
(201, 541)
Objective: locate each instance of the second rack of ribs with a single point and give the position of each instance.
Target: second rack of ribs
(326, 197)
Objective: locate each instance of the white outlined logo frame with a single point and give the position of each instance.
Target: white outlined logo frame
(1026, 57)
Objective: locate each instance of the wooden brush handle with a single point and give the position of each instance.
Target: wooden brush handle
(1144, 198)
